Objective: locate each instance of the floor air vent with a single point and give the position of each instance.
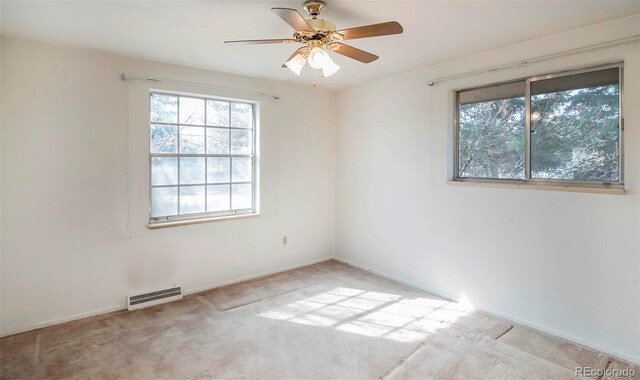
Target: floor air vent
(156, 297)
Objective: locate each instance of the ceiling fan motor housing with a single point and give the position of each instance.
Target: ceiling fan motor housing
(322, 25)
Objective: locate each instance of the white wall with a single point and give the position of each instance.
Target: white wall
(74, 222)
(0, 179)
(566, 263)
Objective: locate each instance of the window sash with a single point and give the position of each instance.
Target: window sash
(206, 127)
(592, 77)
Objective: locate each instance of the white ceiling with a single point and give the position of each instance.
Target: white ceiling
(192, 33)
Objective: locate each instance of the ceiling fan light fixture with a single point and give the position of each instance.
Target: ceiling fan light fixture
(296, 63)
(319, 37)
(318, 58)
(330, 67)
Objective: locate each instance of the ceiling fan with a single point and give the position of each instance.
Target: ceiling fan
(319, 35)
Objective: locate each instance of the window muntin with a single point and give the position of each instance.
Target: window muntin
(573, 132)
(202, 157)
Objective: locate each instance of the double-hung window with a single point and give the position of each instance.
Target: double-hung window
(563, 129)
(202, 157)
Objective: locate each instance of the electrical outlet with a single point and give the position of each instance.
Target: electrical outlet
(285, 240)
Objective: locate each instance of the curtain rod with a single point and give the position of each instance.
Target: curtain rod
(432, 82)
(127, 76)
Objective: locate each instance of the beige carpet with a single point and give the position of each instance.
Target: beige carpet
(327, 320)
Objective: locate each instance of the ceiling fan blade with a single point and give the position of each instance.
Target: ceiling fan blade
(272, 41)
(374, 30)
(299, 51)
(293, 18)
(353, 53)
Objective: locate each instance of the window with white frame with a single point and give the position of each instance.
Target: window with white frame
(202, 157)
(554, 129)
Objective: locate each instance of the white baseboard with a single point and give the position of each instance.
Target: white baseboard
(58, 321)
(123, 306)
(445, 294)
(255, 276)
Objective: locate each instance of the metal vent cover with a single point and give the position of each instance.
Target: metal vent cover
(155, 297)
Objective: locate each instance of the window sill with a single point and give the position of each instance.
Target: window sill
(546, 187)
(154, 226)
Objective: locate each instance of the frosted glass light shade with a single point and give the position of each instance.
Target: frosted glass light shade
(296, 63)
(330, 67)
(318, 58)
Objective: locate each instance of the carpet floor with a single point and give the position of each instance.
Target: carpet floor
(327, 320)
